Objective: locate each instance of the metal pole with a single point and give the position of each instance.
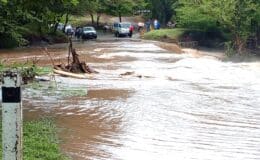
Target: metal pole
(12, 116)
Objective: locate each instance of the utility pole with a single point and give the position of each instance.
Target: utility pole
(12, 115)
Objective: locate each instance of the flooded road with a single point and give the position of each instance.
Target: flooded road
(148, 104)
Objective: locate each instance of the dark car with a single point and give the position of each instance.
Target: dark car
(89, 33)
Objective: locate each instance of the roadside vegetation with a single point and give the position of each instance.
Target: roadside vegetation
(28, 70)
(212, 39)
(28, 22)
(39, 141)
(234, 24)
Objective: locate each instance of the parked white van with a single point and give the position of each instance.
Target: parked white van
(121, 28)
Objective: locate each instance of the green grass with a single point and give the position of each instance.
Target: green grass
(40, 141)
(171, 34)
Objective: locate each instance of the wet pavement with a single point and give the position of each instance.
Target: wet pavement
(148, 103)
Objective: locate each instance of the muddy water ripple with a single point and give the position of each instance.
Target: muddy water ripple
(171, 106)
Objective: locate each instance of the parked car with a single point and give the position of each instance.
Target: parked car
(89, 33)
(60, 26)
(69, 30)
(121, 29)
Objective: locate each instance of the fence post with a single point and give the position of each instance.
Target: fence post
(12, 116)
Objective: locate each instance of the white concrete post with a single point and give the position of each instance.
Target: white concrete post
(12, 116)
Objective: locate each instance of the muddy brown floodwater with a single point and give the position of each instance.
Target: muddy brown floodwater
(148, 104)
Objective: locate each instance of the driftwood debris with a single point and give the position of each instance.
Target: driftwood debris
(75, 67)
(69, 74)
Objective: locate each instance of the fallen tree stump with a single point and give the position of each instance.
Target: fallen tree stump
(75, 67)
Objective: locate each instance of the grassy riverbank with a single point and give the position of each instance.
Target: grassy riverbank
(172, 35)
(40, 141)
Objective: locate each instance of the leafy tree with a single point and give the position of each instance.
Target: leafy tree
(238, 17)
(162, 9)
(69, 8)
(19, 17)
(119, 7)
(195, 14)
(11, 16)
(93, 8)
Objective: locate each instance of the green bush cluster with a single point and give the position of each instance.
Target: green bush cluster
(239, 19)
(7, 41)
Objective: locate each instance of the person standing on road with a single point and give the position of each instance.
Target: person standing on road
(140, 26)
(106, 28)
(131, 30)
(78, 32)
(148, 25)
(156, 24)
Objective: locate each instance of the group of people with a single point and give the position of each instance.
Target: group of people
(155, 24)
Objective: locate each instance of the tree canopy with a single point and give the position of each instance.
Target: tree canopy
(19, 17)
(162, 9)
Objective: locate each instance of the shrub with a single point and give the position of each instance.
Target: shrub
(7, 41)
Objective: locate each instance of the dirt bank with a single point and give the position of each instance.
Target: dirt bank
(170, 47)
(205, 52)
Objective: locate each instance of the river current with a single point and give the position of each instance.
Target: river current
(148, 104)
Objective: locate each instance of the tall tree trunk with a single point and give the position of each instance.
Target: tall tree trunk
(98, 18)
(55, 27)
(92, 19)
(258, 34)
(66, 22)
(39, 27)
(120, 16)
(57, 20)
(240, 44)
(164, 19)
